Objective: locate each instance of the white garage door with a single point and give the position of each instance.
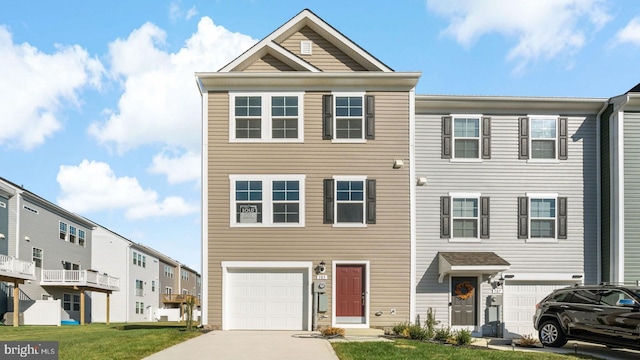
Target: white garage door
(266, 299)
(520, 301)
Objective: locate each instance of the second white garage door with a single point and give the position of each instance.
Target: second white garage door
(520, 301)
(266, 299)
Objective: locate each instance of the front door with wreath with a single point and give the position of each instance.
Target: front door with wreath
(464, 293)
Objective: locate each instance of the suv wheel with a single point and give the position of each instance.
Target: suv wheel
(551, 334)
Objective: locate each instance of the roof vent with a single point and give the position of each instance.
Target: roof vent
(305, 47)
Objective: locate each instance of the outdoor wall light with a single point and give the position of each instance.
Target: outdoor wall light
(398, 164)
(322, 268)
(26, 238)
(422, 181)
(1, 236)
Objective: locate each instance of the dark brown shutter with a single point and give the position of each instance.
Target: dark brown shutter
(562, 218)
(563, 138)
(327, 117)
(328, 201)
(486, 137)
(370, 116)
(484, 217)
(523, 217)
(445, 217)
(371, 201)
(523, 138)
(446, 137)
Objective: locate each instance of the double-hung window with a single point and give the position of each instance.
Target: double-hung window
(81, 237)
(72, 234)
(542, 217)
(543, 138)
(37, 256)
(63, 231)
(139, 288)
(464, 217)
(258, 117)
(466, 137)
(348, 117)
(349, 201)
(267, 200)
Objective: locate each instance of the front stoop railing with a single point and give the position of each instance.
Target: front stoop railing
(21, 269)
(89, 278)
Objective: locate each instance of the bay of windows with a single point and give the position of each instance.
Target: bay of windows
(266, 117)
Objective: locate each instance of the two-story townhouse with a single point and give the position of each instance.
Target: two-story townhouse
(306, 184)
(58, 242)
(506, 206)
(138, 267)
(619, 164)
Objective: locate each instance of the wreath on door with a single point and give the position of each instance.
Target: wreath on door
(468, 290)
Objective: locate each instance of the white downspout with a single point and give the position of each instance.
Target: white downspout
(599, 197)
(412, 204)
(617, 238)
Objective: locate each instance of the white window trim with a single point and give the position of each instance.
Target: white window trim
(453, 137)
(542, 117)
(265, 117)
(553, 196)
(66, 231)
(466, 196)
(41, 256)
(333, 111)
(335, 201)
(267, 199)
(83, 238)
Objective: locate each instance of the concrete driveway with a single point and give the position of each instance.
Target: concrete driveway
(251, 345)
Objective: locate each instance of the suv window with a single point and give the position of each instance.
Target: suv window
(589, 297)
(561, 296)
(611, 297)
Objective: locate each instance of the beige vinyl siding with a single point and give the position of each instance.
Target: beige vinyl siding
(631, 197)
(504, 178)
(325, 56)
(268, 63)
(385, 244)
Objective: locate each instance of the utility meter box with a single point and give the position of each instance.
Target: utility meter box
(319, 287)
(495, 300)
(322, 302)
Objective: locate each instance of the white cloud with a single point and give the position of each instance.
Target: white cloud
(160, 104)
(92, 186)
(630, 33)
(176, 12)
(177, 168)
(36, 87)
(542, 29)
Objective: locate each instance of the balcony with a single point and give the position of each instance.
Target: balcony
(12, 269)
(179, 299)
(89, 279)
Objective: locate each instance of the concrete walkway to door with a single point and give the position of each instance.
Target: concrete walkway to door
(245, 345)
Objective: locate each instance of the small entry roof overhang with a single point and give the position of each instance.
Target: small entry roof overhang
(451, 263)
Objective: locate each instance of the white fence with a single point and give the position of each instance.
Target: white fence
(37, 312)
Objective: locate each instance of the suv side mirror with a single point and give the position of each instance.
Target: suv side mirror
(625, 302)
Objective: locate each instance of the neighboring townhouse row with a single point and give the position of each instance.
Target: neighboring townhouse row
(58, 267)
(149, 293)
(335, 196)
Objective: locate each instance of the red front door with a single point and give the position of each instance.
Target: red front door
(350, 290)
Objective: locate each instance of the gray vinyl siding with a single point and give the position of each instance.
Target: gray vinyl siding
(43, 231)
(325, 56)
(605, 193)
(4, 226)
(385, 244)
(504, 178)
(631, 197)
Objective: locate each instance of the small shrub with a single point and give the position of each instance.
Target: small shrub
(399, 329)
(430, 323)
(463, 337)
(528, 340)
(442, 334)
(416, 332)
(332, 332)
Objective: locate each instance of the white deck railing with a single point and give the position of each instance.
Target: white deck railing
(23, 269)
(79, 277)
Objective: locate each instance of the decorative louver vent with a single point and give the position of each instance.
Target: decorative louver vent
(305, 47)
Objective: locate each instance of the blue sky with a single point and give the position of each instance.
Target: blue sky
(100, 111)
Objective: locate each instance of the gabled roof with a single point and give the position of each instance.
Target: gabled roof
(269, 45)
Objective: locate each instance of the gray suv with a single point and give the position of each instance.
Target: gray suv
(603, 314)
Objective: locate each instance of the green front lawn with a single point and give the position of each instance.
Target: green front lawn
(411, 349)
(101, 341)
